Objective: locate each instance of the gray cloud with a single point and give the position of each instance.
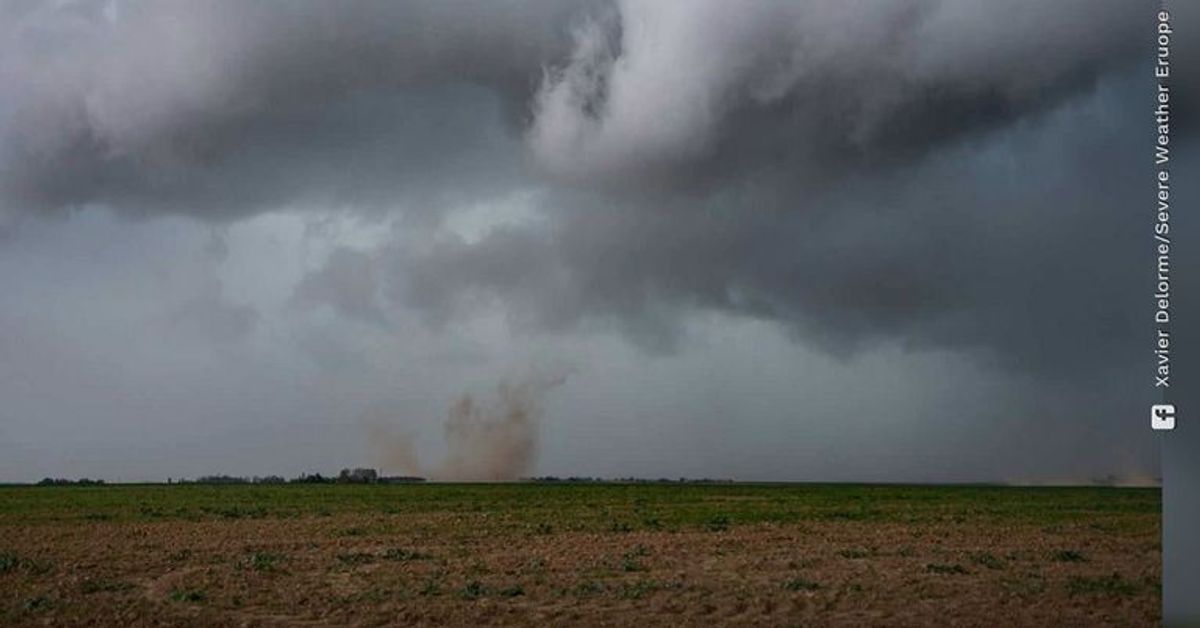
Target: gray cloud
(226, 108)
(348, 281)
(212, 317)
(913, 172)
(708, 90)
(994, 246)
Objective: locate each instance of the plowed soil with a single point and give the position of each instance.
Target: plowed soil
(611, 555)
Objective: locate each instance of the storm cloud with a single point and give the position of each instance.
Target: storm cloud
(228, 107)
(948, 178)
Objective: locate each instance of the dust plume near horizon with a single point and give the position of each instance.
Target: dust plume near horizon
(492, 439)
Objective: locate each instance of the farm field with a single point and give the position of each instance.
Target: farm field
(579, 554)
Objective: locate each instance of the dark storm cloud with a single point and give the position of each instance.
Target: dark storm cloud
(856, 172)
(931, 174)
(998, 247)
(225, 108)
(710, 92)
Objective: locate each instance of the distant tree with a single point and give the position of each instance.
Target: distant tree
(66, 482)
(221, 479)
(358, 476)
(315, 478)
(400, 479)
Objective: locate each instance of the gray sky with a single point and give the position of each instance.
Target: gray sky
(794, 241)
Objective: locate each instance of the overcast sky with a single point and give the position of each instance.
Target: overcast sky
(794, 241)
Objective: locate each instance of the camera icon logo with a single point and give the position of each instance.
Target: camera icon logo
(1162, 417)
